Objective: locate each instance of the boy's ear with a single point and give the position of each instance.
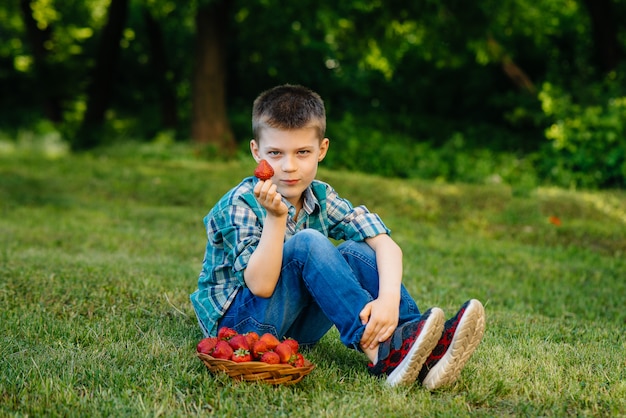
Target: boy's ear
(254, 150)
(323, 149)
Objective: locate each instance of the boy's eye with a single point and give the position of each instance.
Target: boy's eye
(273, 153)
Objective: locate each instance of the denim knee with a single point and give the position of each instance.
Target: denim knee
(306, 240)
(309, 235)
(358, 251)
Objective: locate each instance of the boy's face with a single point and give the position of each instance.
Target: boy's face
(293, 155)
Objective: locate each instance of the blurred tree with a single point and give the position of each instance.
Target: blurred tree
(160, 65)
(210, 124)
(102, 79)
(39, 34)
(608, 52)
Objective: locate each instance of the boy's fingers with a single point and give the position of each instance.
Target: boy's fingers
(367, 340)
(367, 337)
(266, 191)
(371, 335)
(364, 315)
(384, 335)
(257, 188)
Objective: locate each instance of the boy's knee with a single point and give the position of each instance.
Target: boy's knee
(358, 253)
(307, 240)
(309, 237)
(355, 248)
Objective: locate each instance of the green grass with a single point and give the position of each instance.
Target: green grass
(98, 254)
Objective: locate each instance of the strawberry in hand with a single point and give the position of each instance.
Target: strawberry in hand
(264, 170)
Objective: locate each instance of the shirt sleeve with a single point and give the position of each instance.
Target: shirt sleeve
(237, 231)
(351, 223)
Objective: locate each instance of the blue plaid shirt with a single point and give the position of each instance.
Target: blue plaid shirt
(234, 228)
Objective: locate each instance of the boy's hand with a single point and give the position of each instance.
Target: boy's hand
(381, 318)
(270, 199)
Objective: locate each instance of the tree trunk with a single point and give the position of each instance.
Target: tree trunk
(45, 84)
(604, 28)
(101, 86)
(159, 63)
(513, 71)
(210, 125)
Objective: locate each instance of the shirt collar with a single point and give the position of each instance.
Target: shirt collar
(309, 203)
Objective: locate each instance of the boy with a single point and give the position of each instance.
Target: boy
(270, 267)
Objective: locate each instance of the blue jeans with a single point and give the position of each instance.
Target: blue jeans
(320, 285)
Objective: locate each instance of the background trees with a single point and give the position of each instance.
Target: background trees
(542, 81)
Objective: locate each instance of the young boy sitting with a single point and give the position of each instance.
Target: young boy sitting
(269, 265)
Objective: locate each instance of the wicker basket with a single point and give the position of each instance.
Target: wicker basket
(275, 374)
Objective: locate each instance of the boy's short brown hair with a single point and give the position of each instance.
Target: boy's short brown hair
(288, 107)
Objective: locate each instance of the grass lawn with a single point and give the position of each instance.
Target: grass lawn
(99, 253)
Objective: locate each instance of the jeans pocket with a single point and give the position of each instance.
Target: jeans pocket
(247, 324)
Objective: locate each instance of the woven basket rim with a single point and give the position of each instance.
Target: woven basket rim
(258, 371)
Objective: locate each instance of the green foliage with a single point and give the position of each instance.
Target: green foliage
(100, 251)
(588, 137)
(356, 146)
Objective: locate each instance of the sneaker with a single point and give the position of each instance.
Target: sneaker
(401, 356)
(461, 336)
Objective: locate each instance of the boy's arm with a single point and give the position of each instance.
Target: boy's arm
(263, 269)
(381, 315)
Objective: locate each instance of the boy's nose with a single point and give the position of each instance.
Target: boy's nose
(289, 164)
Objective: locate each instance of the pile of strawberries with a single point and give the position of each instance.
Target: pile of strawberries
(230, 345)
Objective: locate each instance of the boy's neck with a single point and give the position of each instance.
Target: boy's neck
(299, 204)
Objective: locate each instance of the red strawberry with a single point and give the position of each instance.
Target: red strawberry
(241, 355)
(293, 344)
(284, 352)
(222, 350)
(206, 345)
(251, 337)
(259, 348)
(270, 358)
(270, 340)
(299, 361)
(239, 342)
(264, 170)
(226, 333)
